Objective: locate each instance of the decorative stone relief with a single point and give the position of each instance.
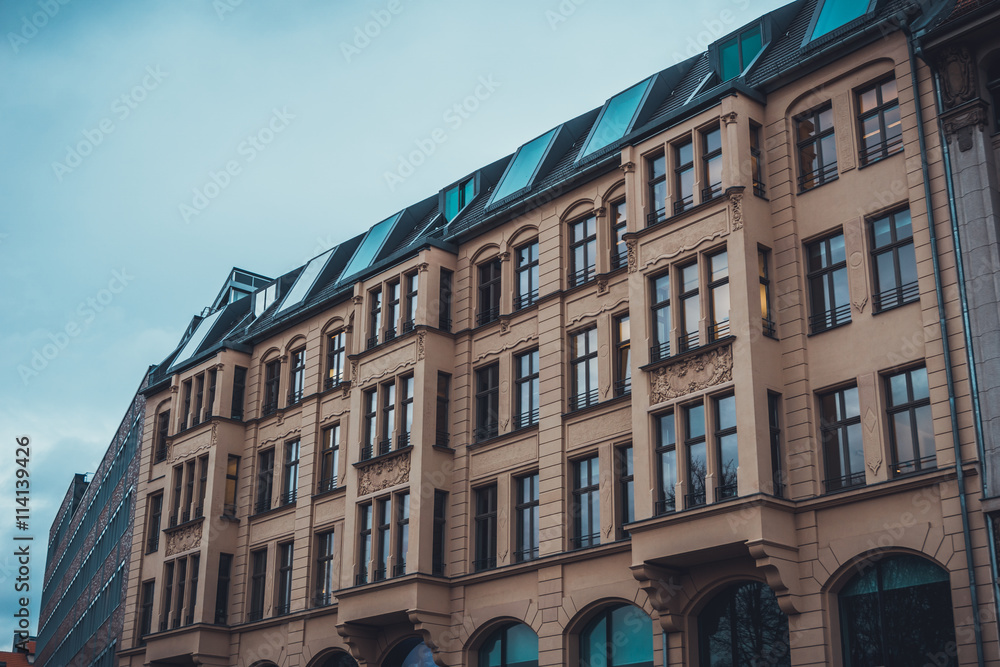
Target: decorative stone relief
(729, 118)
(627, 168)
(354, 371)
(633, 256)
(843, 107)
(961, 122)
(958, 76)
(357, 299)
(854, 233)
(422, 267)
(504, 325)
(602, 287)
(737, 200)
(383, 474)
(184, 539)
(692, 374)
(421, 339)
(600, 212)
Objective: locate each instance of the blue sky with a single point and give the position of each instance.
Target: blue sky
(149, 147)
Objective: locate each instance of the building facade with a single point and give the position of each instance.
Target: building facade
(682, 381)
(89, 551)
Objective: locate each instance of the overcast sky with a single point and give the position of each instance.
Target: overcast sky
(147, 148)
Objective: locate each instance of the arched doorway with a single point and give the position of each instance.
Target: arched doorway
(743, 625)
(619, 636)
(514, 645)
(410, 653)
(897, 611)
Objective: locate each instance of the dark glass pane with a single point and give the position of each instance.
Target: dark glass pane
(685, 153)
(751, 43)
(836, 13)
(882, 231)
(727, 413)
(713, 141)
(918, 377)
(632, 635)
(523, 166)
(695, 426)
(617, 117)
(522, 646)
(729, 59)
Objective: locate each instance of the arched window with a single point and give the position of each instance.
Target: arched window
(897, 611)
(511, 646)
(743, 625)
(410, 653)
(618, 637)
(338, 660)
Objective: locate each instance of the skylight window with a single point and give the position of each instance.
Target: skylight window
(198, 337)
(836, 13)
(458, 196)
(524, 167)
(617, 118)
(304, 283)
(736, 54)
(264, 298)
(371, 246)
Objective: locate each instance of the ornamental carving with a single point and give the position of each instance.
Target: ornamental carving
(383, 474)
(958, 76)
(633, 258)
(420, 344)
(628, 167)
(692, 374)
(184, 539)
(737, 200)
(729, 118)
(504, 325)
(960, 123)
(602, 286)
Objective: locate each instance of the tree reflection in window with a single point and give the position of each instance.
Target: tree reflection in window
(897, 611)
(618, 637)
(743, 625)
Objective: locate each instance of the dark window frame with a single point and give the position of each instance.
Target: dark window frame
(618, 222)
(583, 364)
(589, 493)
(718, 329)
(325, 582)
(442, 430)
(265, 480)
(487, 397)
(666, 502)
(623, 354)
(826, 170)
(901, 295)
(696, 493)
(840, 314)
(526, 517)
(656, 184)
(580, 275)
(768, 326)
(724, 490)
(522, 418)
(296, 375)
(660, 349)
(329, 466)
(272, 385)
(258, 578)
(525, 298)
(886, 147)
(411, 294)
(374, 317)
(911, 406)
(393, 308)
(625, 468)
(485, 527)
(490, 277)
(839, 428)
(689, 340)
(336, 354)
(711, 190)
(756, 160)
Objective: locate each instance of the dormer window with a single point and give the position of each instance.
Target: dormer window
(458, 196)
(737, 52)
(833, 14)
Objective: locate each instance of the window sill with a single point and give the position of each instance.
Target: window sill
(830, 328)
(832, 179)
(863, 164)
(500, 437)
(600, 404)
(337, 490)
(273, 510)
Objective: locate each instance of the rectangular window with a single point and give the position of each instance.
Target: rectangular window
(840, 431)
(239, 389)
(711, 159)
(146, 622)
(153, 523)
(392, 308)
(774, 426)
(444, 300)
(756, 160)
(911, 428)
(829, 297)
(162, 428)
(336, 351)
(766, 315)
(374, 317)
(441, 423)
(297, 376)
(402, 534)
(586, 506)
(186, 415)
(489, 292)
(199, 510)
(222, 589)
(486, 528)
(623, 355)
(265, 480)
(697, 455)
(329, 459)
(683, 176)
(232, 477)
(879, 121)
(440, 531)
(179, 599)
(175, 516)
(325, 582)
(718, 294)
(526, 518)
(370, 402)
(193, 589)
(272, 380)
(656, 167)
(583, 365)
(893, 260)
(188, 492)
(199, 397)
(619, 226)
(168, 594)
(666, 460)
(582, 251)
(726, 447)
(660, 349)
(736, 54)
(526, 389)
(284, 602)
(388, 418)
(383, 509)
(405, 412)
(364, 543)
(817, 147)
(487, 402)
(258, 574)
(410, 301)
(690, 307)
(526, 276)
(626, 488)
(290, 473)
(213, 378)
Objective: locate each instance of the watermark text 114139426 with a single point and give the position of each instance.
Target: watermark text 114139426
(22, 540)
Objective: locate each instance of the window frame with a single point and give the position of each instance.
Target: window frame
(296, 375)
(526, 517)
(768, 326)
(840, 315)
(724, 491)
(258, 584)
(329, 466)
(411, 296)
(625, 469)
(290, 473)
(589, 493)
(526, 299)
(718, 329)
(683, 202)
(589, 363)
(854, 478)
(666, 502)
(656, 183)
(618, 222)
(902, 294)
(587, 243)
(912, 405)
(375, 308)
(365, 543)
(885, 147)
(825, 171)
(484, 522)
(272, 387)
(757, 160)
(489, 276)
(393, 308)
(693, 497)
(487, 397)
(689, 339)
(325, 582)
(283, 590)
(401, 539)
(336, 356)
(522, 419)
(708, 161)
(265, 481)
(623, 354)
(442, 406)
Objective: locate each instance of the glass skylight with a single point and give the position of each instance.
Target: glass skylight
(736, 54)
(264, 298)
(836, 13)
(198, 337)
(457, 197)
(523, 167)
(371, 246)
(619, 114)
(305, 281)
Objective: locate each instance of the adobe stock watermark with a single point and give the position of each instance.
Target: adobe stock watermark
(454, 117)
(48, 9)
(563, 11)
(86, 312)
(121, 107)
(364, 34)
(248, 150)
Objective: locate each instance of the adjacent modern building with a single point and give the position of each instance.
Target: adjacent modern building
(685, 380)
(89, 552)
